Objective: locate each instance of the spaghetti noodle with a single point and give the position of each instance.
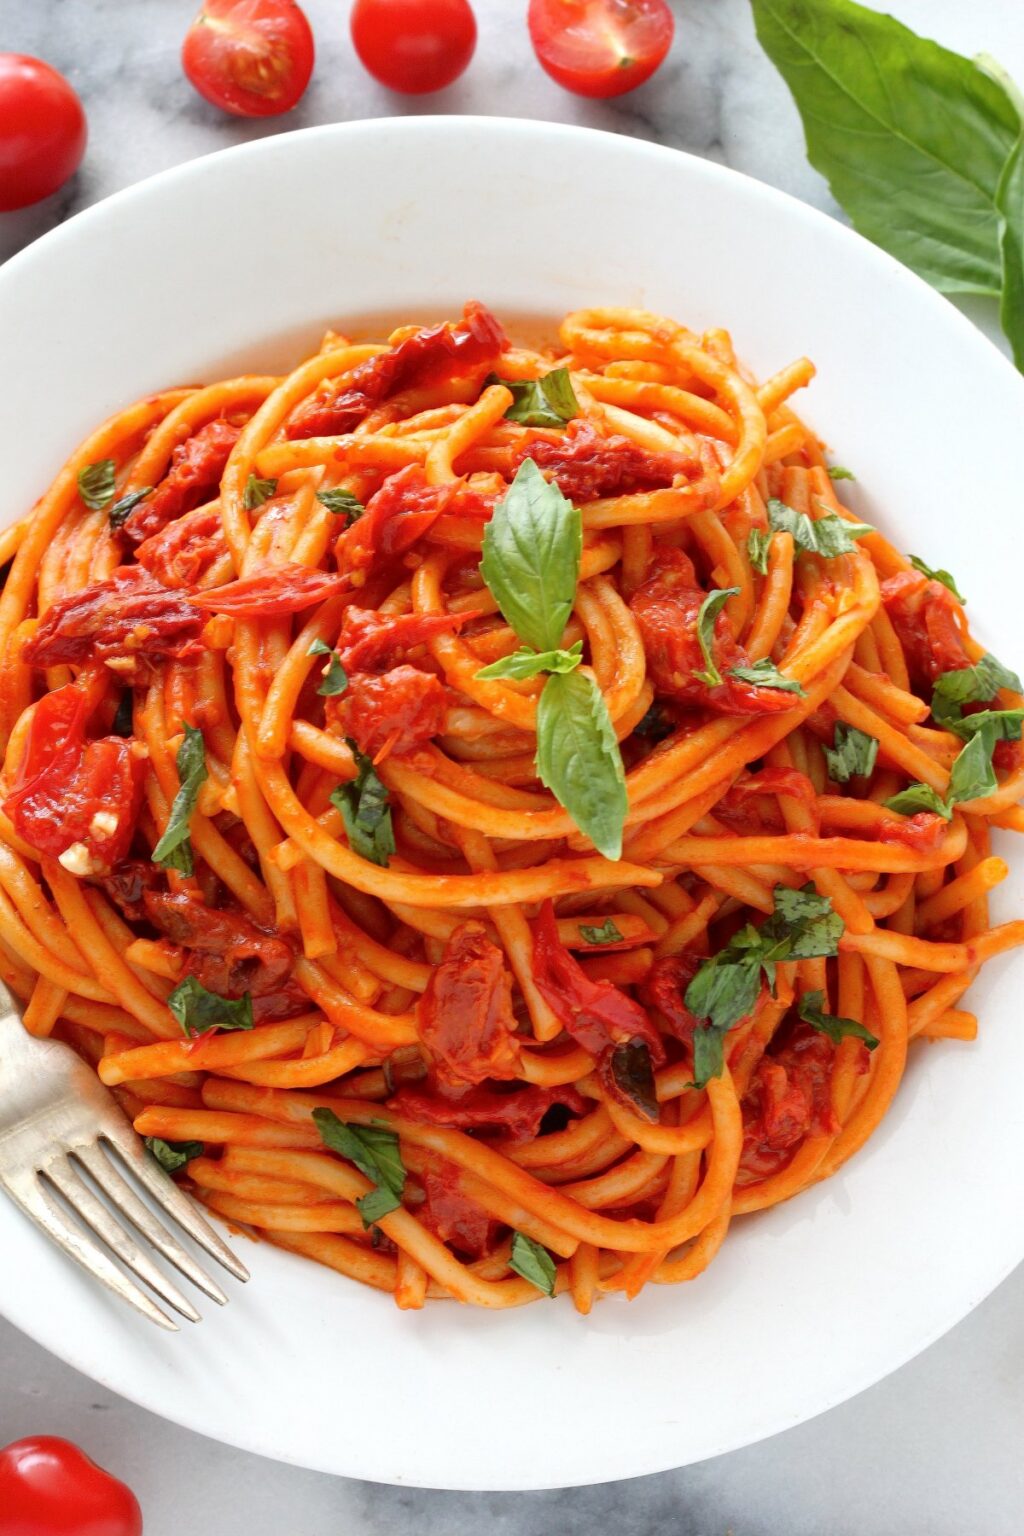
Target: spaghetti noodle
(492, 815)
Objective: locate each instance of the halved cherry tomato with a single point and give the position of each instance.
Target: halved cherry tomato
(48, 1487)
(42, 131)
(600, 47)
(414, 46)
(249, 57)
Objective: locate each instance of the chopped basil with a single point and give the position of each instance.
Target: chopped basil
(851, 755)
(257, 491)
(174, 850)
(633, 1075)
(837, 472)
(533, 1262)
(709, 610)
(977, 684)
(525, 663)
(335, 677)
(972, 775)
(344, 503)
(578, 758)
(726, 987)
(366, 811)
(919, 797)
(606, 934)
(198, 1011)
(1005, 724)
(531, 557)
(545, 402)
(759, 541)
(655, 725)
(172, 1155)
(96, 484)
(943, 576)
(836, 1028)
(125, 506)
(827, 536)
(375, 1152)
(765, 674)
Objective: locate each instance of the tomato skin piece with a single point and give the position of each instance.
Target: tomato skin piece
(517, 1116)
(272, 593)
(465, 1018)
(130, 616)
(450, 1214)
(49, 1487)
(252, 58)
(585, 465)
(193, 477)
(227, 953)
(42, 131)
(600, 48)
(414, 46)
(399, 711)
(373, 642)
(929, 623)
(596, 1014)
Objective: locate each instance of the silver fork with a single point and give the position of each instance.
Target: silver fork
(58, 1122)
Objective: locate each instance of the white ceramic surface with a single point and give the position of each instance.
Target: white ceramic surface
(232, 257)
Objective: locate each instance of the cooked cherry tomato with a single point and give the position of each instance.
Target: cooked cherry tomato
(42, 131)
(277, 590)
(414, 46)
(600, 47)
(249, 57)
(466, 1023)
(48, 1487)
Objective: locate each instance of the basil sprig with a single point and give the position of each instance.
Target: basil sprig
(809, 1008)
(726, 987)
(525, 663)
(828, 535)
(366, 811)
(125, 505)
(531, 562)
(923, 148)
(533, 1262)
(198, 1011)
(708, 612)
(971, 777)
(257, 491)
(96, 484)
(851, 755)
(933, 575)
(765, 674)
(335, 677)
(344, 503)
(759, 542)
(977, 684)
(375, 1152)
(174, 850)
(172, 1155)
(549, 401)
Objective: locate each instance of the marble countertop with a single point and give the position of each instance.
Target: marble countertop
(934, 1449)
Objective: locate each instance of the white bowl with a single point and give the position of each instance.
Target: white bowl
(241, 257)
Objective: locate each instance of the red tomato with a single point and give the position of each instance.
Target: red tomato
(48, 1487)
(249, 57)
(277, 590)
(414, 46)
(600, 47)
(42, 131)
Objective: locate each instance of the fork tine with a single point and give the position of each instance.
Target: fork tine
(120, 1193)
(60, 1172)
(167, 1194)
(35, 1200)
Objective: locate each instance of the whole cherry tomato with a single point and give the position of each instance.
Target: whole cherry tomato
(42, 131)
(48, 1487)
(249, 57)
(600, 47)
(414, 45)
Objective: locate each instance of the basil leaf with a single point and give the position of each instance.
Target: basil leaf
(912, 138)
(708, 1053)
(545, 402)
(835, 1027)
(919, 797)
(851, 755)
(1005, 724)
(943, 576)
(1010, 206)
(174, 850)
(970, 685)
(526, 663)
(765, 674)
(759, 542)
(344, 503)
(198, 1011)
(837, 472)
(125, 506)
(629, 1066)
(709, 610)
(531, 557)
(578, 758)
(96, 484)
(725, 988)
(805, 922)
(366, 812)
(257, 491)
(827, 536)
(172, 1155)
(335, 677)
(533, 1262)
(972, 774)
(375, 1151)
(606, 934)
